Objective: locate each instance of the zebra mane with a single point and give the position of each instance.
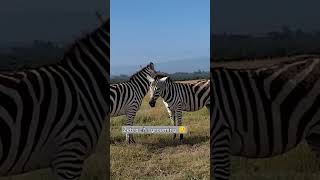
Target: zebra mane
(150, 65)
(70, 49)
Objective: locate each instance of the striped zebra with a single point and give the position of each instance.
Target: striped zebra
(126, 97)
(52, 116)
(263, 112)
(178, 97)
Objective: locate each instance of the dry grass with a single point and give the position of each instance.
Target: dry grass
(298, 164)
(159, 156)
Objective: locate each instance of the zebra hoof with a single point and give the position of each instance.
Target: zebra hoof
(131, 141)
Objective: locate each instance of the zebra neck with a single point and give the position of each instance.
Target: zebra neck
(90, 53)
(141, 85)
(87, 63)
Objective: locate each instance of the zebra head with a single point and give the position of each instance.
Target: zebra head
(142, 75)
(148, 70)
(157, 87)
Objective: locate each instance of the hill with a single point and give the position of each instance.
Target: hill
(183, 65)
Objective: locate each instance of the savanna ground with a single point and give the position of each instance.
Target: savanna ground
(298, 164)
(159, 156)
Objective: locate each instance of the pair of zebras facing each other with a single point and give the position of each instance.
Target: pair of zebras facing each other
(126, 97)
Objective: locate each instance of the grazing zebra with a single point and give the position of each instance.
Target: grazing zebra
(178, 97)
(263, 112)
(52, 116)
(126, 97)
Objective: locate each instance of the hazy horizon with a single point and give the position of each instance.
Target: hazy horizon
(180, 65)
(251, 16)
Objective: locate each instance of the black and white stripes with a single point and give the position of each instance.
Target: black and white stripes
(126, 97)
(179, 97)
(52, 116)
(263, 112)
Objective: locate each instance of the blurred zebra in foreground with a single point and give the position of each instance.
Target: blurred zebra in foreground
(126, 97)
(178, 97)
(52, 116)
(263, 112)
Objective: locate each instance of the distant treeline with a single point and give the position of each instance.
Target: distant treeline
(178, 76)
(32, 55)
(287, 42)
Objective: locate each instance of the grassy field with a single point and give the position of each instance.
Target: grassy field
(159, 156)
(298, 164)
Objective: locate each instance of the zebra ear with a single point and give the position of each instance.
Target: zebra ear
(150, 79)
(151, 65)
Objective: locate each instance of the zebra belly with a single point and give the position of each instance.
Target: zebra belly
(118, 113)
(38, 160)
(191, 109)
(243, 144)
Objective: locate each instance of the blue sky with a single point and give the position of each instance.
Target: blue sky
(161, 30)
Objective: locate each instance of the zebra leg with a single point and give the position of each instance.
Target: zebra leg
(173, 120)
(179, 121)
(174, 123)
(130, 117)
(67, 166)
(170, 114)
(220, 154)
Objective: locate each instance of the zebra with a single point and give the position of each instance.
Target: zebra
(51, 116)
(263, 112)
(178, 97)
(126, 97)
